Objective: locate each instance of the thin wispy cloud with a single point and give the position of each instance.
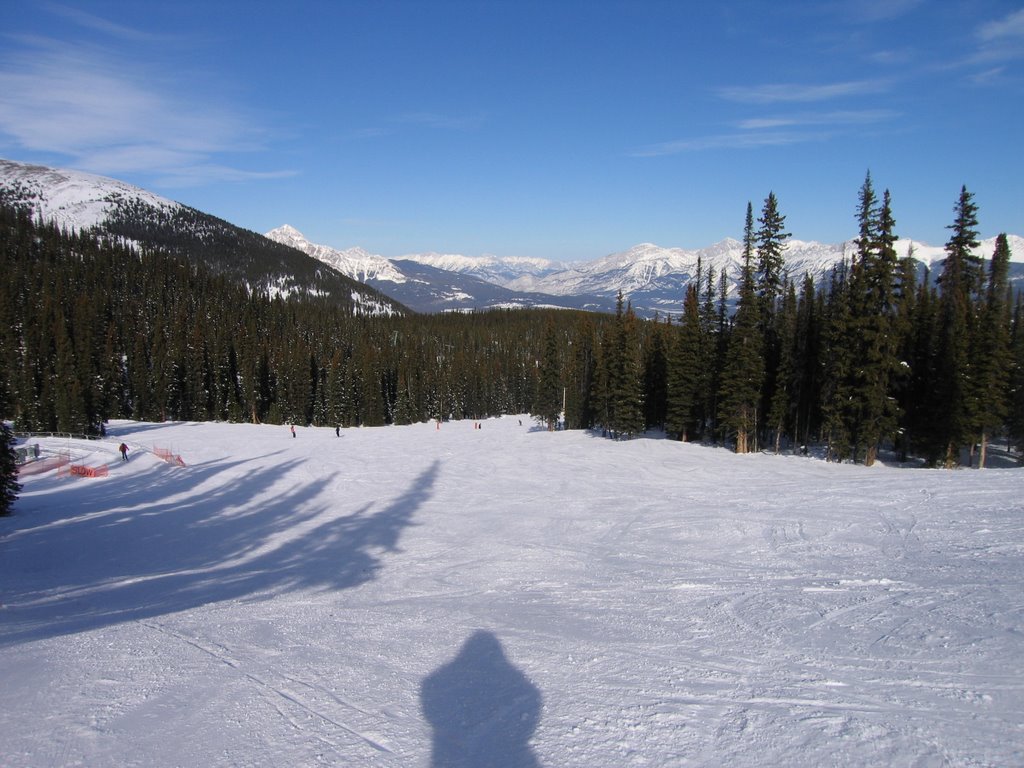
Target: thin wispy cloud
(777, 93)
(107, 115)
(838, 118)
(1002, 39)
(893, 57)
(988, 76)
(751, 140)
(775, 131)
(183, 176)
(99, 24)
(1009, 28)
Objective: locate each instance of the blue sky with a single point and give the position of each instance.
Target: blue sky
(564, 130)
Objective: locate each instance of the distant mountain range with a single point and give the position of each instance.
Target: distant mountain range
(439, 283)
(284, 262)
(653, 278)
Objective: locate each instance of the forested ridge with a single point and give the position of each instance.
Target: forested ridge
(223, 248)
(92, 330)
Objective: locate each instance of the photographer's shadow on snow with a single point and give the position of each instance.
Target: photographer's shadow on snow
(481, 708)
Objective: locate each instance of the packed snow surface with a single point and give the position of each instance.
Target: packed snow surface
(505, 596)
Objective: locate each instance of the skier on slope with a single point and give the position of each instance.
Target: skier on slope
(124, 452)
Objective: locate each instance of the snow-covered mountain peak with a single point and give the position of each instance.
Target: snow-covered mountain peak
(500, 270)
(353, 262)
(286, 230)
(72, 199)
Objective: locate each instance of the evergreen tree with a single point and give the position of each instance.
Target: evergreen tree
(1016, 394)
(780, 414)
(837, 363)
(684, 371)
(771, 245)
(951, 405)
(601, 391)
(743, 369)
(993, 356)
(771, 278)
(9, 486)
(721, 343)
(710, 357)
(922, 430)
(337, 394)
(806, 375)
(861, 410)
(66, 385)
(878, 366)
(549, 392)
(655, 374)
(580, 408)
(626, 388)
(903, 327)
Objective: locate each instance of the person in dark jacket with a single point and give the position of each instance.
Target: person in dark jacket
(124, 452)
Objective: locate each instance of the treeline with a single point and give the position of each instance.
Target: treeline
(877, 357)
(91, 330)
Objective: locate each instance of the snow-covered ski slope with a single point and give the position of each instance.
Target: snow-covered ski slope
(505, 596)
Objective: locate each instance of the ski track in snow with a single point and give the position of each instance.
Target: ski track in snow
(408, 596)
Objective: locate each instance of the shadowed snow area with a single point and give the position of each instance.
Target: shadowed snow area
(505, 596)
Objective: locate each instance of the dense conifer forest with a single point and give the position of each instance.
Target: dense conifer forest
(878, 358)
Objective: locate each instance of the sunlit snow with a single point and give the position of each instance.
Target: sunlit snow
(505, 596)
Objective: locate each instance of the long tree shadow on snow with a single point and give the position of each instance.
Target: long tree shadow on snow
(481, 708)
(118, 556)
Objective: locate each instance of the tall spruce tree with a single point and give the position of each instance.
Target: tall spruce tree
(806, 374)
(721, 343)
(549, 390)
(903, 325)
(601, 385)
(782, 408)
(580, 412)
(922, 433)
(684, 370)
(952, 403)
(877, 366)
(625, 387)
(710, 362)
(771, 245)
(771, 278)
(992, 353)
(655, 373)
(743, 369)
(837, 364)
